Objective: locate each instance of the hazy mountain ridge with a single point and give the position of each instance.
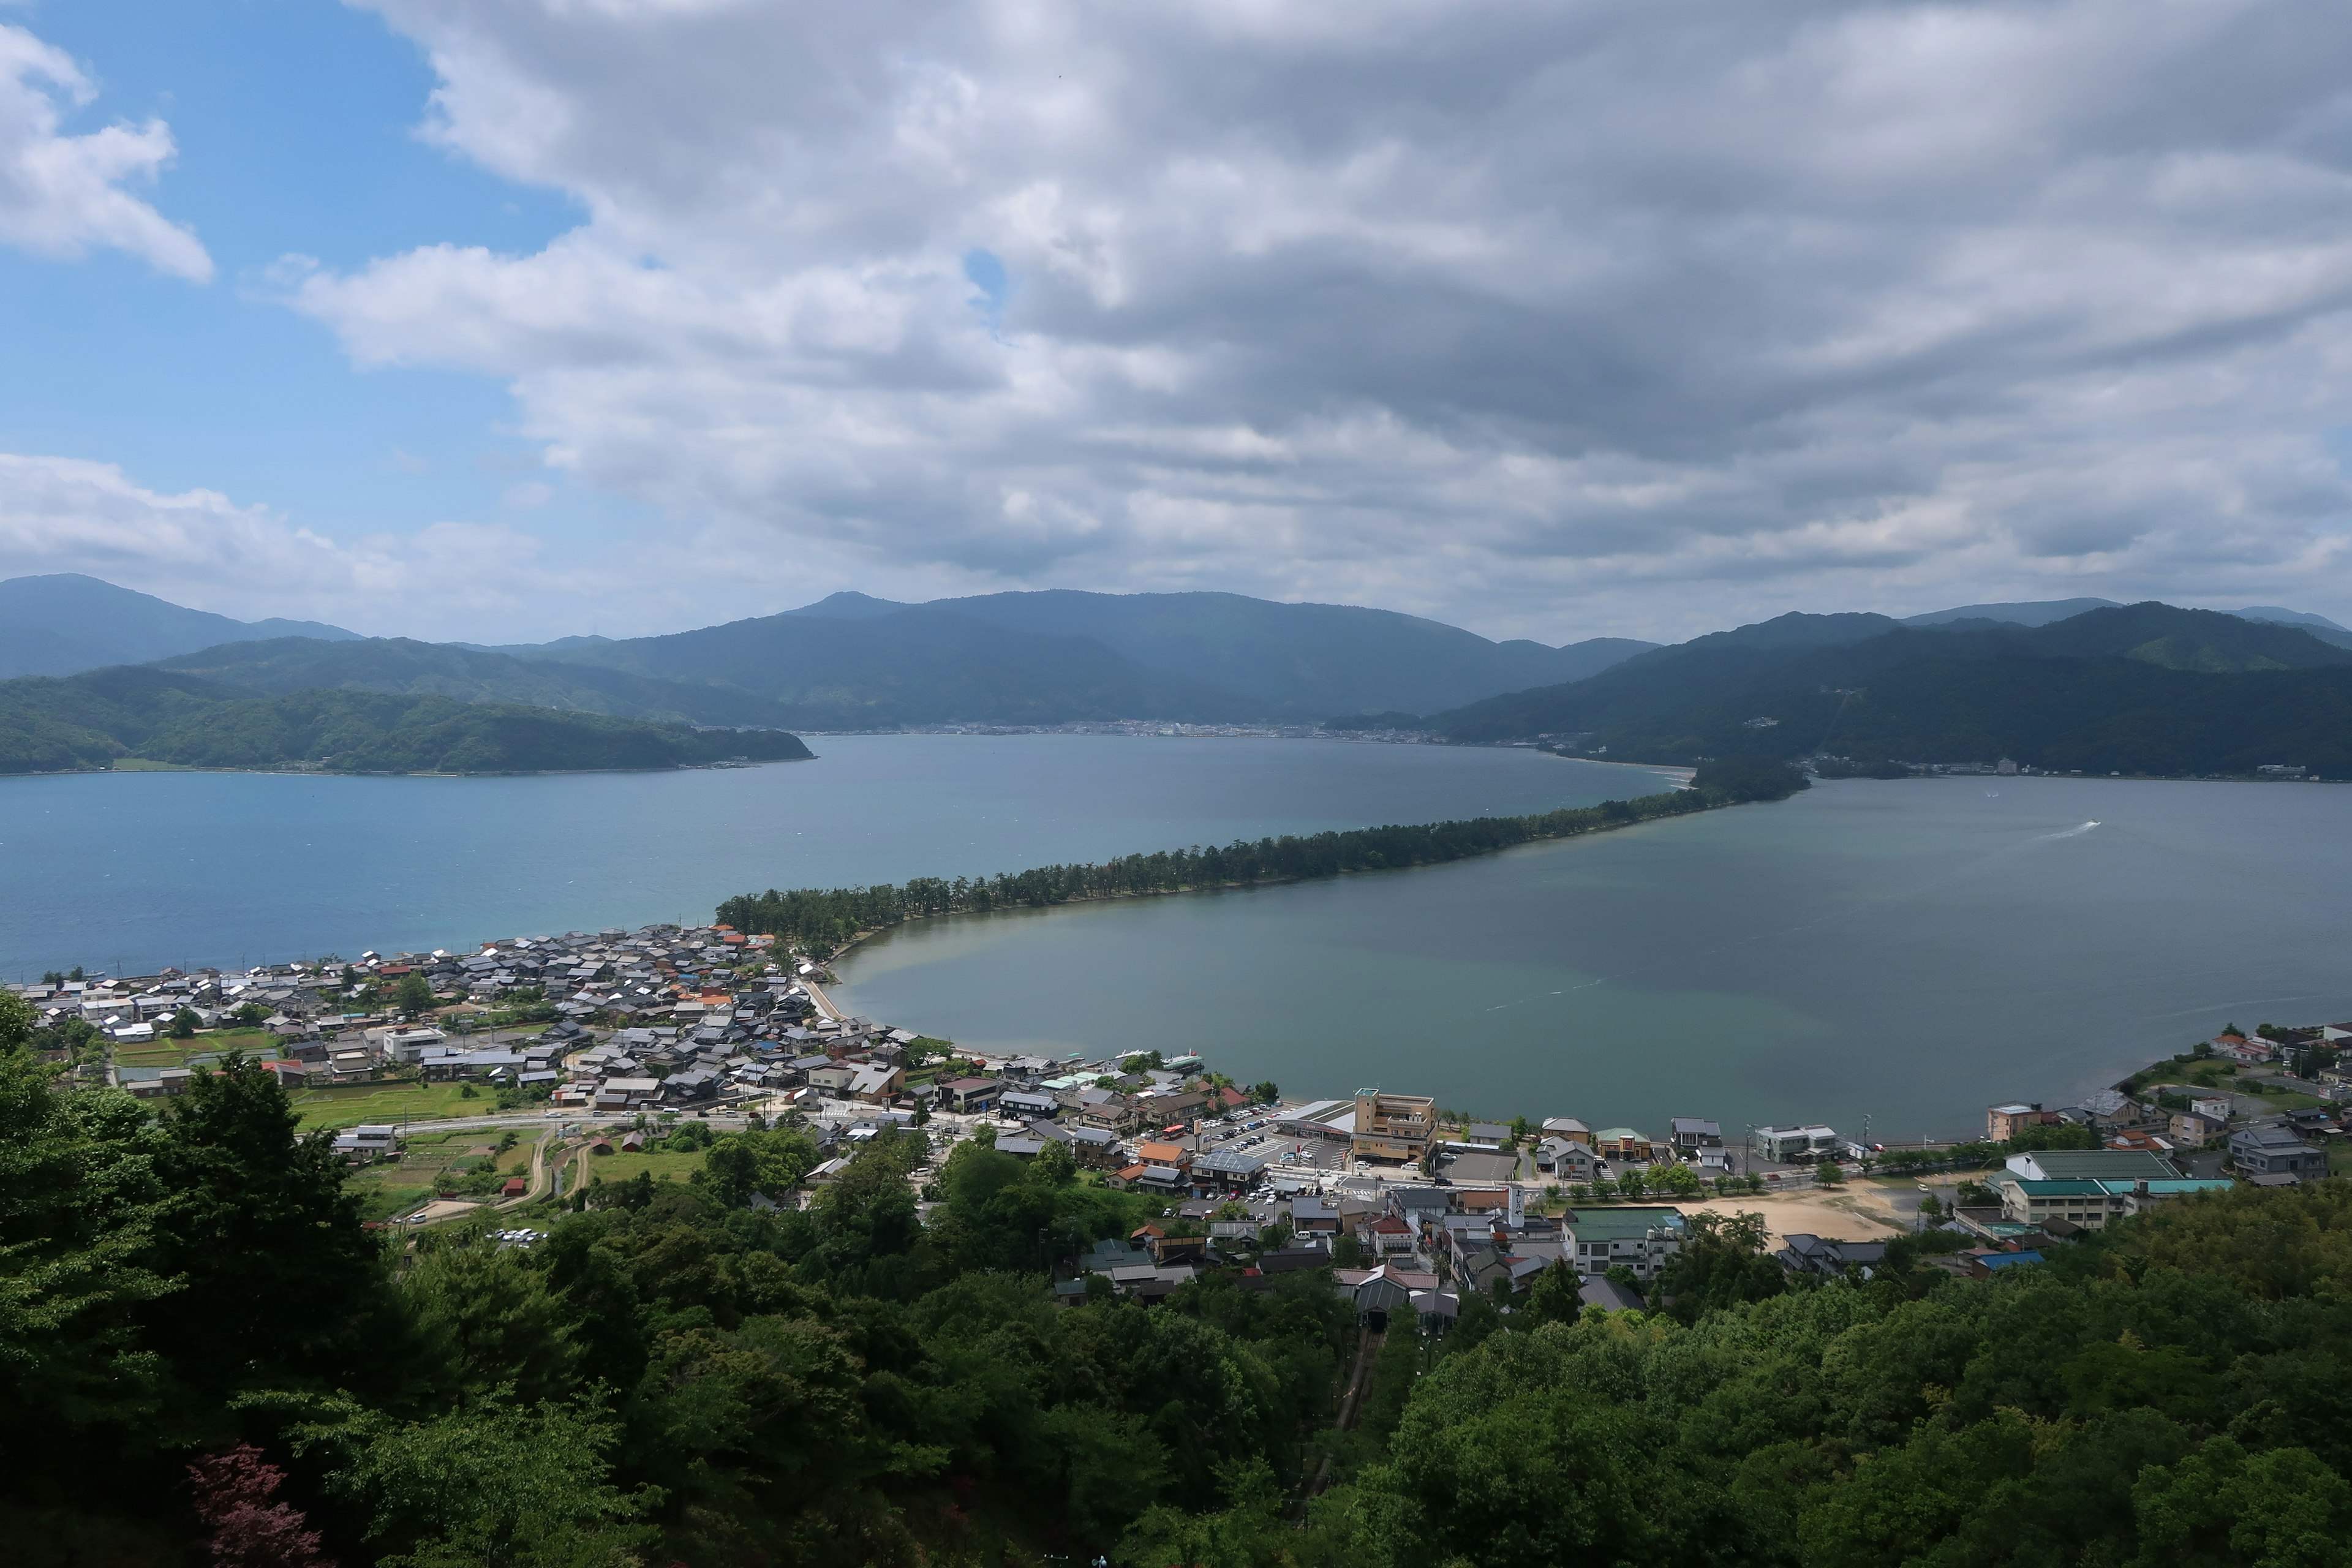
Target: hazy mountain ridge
(66, 622)
(912, 666)
(102, 716)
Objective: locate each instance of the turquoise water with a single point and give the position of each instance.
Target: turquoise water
(128, 872)
(1908, 951)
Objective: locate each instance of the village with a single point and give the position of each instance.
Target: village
(613, 1046)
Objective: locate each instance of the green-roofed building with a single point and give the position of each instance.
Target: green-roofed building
(2091, 1187)
(1640, 1236)
(2095, 1165)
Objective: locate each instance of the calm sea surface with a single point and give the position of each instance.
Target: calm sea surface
(1906, 951)
(128, 872)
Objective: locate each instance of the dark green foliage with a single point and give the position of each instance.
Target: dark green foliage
(2144, 689)
(1723, 1264)
(826, 918)
(2161, 1395)
(403, 667)
(674, 1374)
(163, 716)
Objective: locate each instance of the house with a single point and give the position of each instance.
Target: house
(1313, 1216)
(1689, 1134)
(1622, 1144)
(1640, 1237)
(1165, 1166)
(1569, 1160)
(2004, 1122)
(969, 1095)
(833, 1078)
(1796, 1145)
(1233, 1169)
(1569, 1127)
(405, 1045)
(2188, 1127)
(1807, 1253)
(1396, 1128)
(2274, 1148)
(873, 1083)
(365, 1144)
(153, 1083)
(1984, 1263)
(1609, 1296)
(1107, 1111)
(1093, 1144)
(2212, 1106)
(1029, 1103)
(1386, 1234)
(515, 1187)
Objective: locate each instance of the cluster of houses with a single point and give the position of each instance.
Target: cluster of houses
(1418, 1248)
(669, 1018)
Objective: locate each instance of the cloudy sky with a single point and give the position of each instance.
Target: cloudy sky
(513, 318)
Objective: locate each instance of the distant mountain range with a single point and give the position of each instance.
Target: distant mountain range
(855, 662)
(130, 712)
(2145, 687)
(64, 624)
(2134, 689)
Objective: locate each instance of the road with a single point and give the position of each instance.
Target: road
(823, 1002)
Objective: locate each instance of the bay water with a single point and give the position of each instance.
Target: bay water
(127, 872)
(1889, 955)
(1904, 952)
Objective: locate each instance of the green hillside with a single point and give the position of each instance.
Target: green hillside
(401, 665)
(2138, 689)
(912, 666)
(108, 716)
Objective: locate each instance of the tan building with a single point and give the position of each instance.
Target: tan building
(1392, 1126)
(2002, 1123)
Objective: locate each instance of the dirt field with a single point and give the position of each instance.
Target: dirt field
(1859, 1212)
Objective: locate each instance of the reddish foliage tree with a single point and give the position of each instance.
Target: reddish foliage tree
(245, 1529)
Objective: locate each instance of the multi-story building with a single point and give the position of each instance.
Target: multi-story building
(2274, 1149)
(1794, 1145)
(1392, 1127)
(2090, 1187)
(2002, 1123)
(1642, 1239)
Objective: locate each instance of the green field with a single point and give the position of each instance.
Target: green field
(348, 1105)
(171, 1053)
(666, 1167)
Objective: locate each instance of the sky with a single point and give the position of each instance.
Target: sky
(503, 319)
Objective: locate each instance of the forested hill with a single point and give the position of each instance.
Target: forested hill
(851, 661)
(2139, 688)
(403, 667)
(204, 1357)
(108, 716)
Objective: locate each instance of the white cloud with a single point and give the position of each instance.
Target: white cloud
(60, 195)
(451, 579)
(1544, 320)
